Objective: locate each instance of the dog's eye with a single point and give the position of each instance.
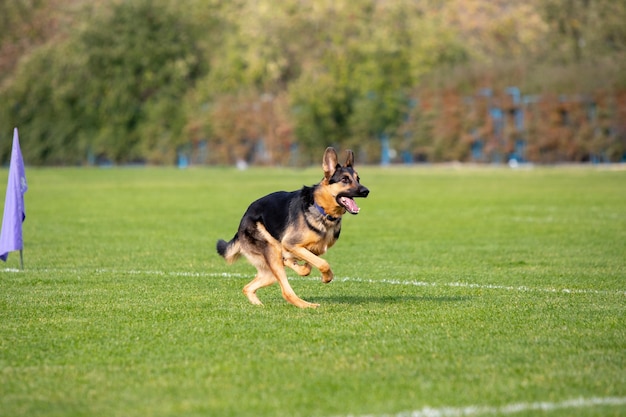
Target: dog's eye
(346, 180)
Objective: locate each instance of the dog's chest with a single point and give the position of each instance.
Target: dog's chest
(324, 237)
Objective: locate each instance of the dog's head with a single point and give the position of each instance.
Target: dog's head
(342, 180)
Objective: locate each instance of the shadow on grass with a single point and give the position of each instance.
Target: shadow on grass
(387, 299)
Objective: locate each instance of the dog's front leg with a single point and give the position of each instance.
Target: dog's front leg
(302, 270)
(312, 259)
(292, 262)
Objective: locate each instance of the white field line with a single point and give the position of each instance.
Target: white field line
(480, 410)
(414, 283)
(521, 288)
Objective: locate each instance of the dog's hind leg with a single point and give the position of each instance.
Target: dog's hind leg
(276, 263)
(272, 253)
(288, 292)
(263, 278)
(269, 273)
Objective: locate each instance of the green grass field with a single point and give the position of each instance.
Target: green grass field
(471, 291)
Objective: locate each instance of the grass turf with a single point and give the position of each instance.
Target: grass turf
(454, 288)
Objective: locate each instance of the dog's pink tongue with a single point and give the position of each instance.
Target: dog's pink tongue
(350, 205)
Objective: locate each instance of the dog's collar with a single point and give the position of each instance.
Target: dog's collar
(323, 212)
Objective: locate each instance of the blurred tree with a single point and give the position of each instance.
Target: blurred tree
(45, 102)
(111, 91)
(494, 30)
(142, 58)
(584, 29)
(24, 24)
(369, 55)
(137, 81)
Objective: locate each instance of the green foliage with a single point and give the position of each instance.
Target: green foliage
(138, 81)
(48, 109)
(25, 25)
(112, 90)
(454, 288)
(143, 58)
(585, 29)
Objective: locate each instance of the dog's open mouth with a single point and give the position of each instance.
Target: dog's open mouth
(348, 204)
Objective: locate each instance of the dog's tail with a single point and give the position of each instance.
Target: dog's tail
(229, 250)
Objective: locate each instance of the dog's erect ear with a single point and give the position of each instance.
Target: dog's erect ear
(329, 164)
(349, 158)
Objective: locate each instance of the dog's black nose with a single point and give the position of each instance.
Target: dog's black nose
(363, 191)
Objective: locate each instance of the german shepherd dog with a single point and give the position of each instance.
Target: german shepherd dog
(293, 228)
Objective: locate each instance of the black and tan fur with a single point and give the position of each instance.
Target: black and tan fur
(293, 228)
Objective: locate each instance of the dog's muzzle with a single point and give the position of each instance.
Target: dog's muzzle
(348, 203)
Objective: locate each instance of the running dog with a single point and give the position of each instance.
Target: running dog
(293, 228)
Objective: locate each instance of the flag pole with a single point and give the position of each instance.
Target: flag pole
(21, 259)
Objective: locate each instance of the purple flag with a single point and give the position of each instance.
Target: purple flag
(14, 214)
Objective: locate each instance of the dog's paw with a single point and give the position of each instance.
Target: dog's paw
(306, 304)
(327, 276)
(302, 270)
